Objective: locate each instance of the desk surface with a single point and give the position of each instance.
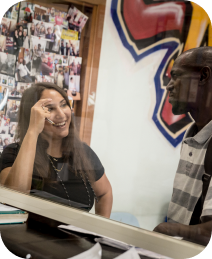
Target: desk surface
(45, 242)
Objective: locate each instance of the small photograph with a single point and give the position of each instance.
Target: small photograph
(11, 81)
(65, 61)
(25, 17)
(47, 65)
(30, 29)
(9, 45)
(23, 74)
(27, 7)
(54, 47)
(4, 127)
(8, 13)
(4, 91)
(12, 109)
(26, 41)
(52, 15)
(40, 13)
(28, 58)
(8, 26)
(58, 60)
(26, 13)
(4, 27)
(65, 21)
(75, 64)
(38, 49)
(17, 91)
(7, 63)
(4, 141)
(20, 35)
(74, 48)
(52, 19)
(15, 11)
(44, 30)
(12, 12)
(58, 18)
(12, 128)
(49, 32)
(52, 12)
(61, 18)
(2, 43)
(47, 79)
(21, 87)
(4, 80)
(47, 15)
(61, 77)
(38, 78)
(69, 47)
(74, 84)
(38, 44)
(76, 19)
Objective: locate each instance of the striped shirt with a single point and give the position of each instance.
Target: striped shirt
(188, 180)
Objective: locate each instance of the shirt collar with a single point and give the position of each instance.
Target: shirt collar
(203, 135)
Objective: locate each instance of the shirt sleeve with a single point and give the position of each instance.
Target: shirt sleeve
(8, 156)
(95, 162)
(207, 207)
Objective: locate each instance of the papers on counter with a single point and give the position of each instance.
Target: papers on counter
(7, 208)
(93, 253)
(113, 242)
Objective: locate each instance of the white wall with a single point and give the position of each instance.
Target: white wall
(139, 162)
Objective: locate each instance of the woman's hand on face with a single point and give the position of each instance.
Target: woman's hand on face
(38, 115)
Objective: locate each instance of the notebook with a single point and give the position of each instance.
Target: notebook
(11, 215)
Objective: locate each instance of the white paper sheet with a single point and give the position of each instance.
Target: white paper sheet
(114, 243)
(93, 253)
(130, 254)
(6, 208)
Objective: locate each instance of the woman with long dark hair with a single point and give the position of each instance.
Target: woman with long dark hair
(49, 155)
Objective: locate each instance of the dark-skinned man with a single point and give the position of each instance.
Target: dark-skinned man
(190, 90)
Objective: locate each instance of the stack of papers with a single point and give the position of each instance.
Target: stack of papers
(112, 242)
(11, 215)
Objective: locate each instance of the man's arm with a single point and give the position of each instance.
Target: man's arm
(199, 234)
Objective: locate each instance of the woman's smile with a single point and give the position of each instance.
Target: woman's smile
(60, 125)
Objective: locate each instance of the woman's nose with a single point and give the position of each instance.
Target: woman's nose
(60, 113)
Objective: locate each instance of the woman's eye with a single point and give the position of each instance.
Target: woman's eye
(64, 104)
(50, 109)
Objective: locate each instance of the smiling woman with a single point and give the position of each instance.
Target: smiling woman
(48, 159)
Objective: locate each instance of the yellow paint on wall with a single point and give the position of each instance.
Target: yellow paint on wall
(199, 23)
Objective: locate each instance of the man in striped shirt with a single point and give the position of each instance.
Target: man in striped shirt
(190, 90)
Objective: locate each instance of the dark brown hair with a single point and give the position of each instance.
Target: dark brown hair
(72, 148)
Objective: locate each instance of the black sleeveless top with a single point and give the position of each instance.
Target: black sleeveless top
(52, 188)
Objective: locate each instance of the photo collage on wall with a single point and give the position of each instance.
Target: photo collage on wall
(37, 44)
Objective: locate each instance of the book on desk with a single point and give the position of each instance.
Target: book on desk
(11, 215)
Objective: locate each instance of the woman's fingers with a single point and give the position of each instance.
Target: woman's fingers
(43, 102)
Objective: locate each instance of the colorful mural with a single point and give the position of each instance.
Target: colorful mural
(146, 26)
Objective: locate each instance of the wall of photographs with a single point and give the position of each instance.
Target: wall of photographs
(37, 44)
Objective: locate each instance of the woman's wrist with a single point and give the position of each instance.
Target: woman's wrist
(32, 133)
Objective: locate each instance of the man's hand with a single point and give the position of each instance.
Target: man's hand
(199, 234)
(170, 229)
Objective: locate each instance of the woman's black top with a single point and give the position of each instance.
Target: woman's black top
(52, 187)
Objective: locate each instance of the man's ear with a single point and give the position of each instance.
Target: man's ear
(205, 75)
